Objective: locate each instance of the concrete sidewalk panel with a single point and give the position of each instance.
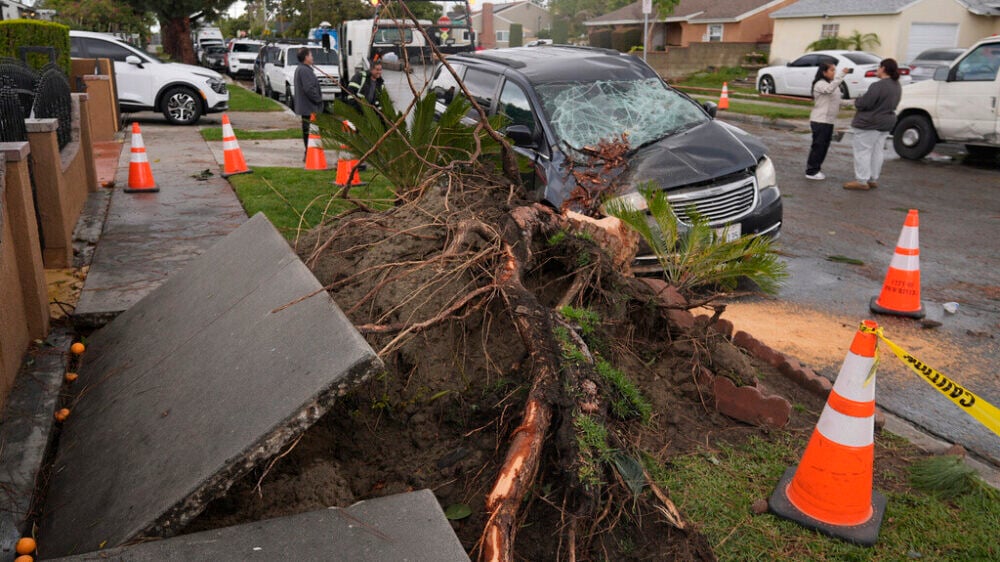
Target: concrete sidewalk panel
(408, 527)
(191, 387)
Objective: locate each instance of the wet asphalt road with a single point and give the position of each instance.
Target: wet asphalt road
(959, 205)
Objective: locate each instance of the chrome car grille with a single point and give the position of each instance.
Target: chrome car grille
(325, 82)
(720, 203)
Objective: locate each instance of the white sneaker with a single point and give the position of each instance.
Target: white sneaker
(816, 176)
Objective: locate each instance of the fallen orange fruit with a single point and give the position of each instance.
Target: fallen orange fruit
(77, 348)
(25, 545)
(62, 414)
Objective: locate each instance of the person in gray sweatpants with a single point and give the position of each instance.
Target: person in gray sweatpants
(872, 123)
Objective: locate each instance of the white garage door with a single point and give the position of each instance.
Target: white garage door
(925, 36)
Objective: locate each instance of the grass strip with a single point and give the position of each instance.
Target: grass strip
(215, 134)
(296, 200)
(242, 99)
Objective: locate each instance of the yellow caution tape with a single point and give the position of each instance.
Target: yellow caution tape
(986, 413)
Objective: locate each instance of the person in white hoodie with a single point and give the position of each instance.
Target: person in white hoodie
(826, 92)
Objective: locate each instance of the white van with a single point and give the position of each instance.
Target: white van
(391, 36)
(961, 104)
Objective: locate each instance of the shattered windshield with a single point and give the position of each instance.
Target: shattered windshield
(584, 113)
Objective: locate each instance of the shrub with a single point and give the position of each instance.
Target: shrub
(33, 33)
(600, 38)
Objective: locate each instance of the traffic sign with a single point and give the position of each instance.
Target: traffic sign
(444, 23)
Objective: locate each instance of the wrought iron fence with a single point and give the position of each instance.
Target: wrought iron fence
(22, 79)
(53, 100)
(12, 127)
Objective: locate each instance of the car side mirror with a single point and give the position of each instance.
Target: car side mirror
(444, 96)
(941, 73)
(279, 63)
(521, 135)
(132, 59)
(711, 108)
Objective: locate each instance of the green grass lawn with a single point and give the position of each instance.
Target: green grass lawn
(767, 111)
(242, 99)
(215, 134)
(716, 489)
(296, 200)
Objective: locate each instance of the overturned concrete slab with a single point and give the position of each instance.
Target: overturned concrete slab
(403, 527)
(218, 368)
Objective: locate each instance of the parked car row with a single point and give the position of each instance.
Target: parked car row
(796, 78)
(274, 68)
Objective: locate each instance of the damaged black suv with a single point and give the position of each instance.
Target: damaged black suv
(560, 98)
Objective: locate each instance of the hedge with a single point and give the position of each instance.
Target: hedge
(601, 38)
(34, 33)
(624, 39)
(516, 38)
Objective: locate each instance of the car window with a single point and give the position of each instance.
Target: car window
(826, 58)
(101, 49)
(482, 86)
(806, 60)
(979, 65)
(585, 113)
(392, 35)
(862, 58)
(324, 57)
(245, 47)
(514, 104)
(445, 85)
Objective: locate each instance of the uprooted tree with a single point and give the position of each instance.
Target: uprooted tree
(463, 243)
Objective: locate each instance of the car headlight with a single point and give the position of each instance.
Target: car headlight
(218, 86)
(766, 174)
(634, 200)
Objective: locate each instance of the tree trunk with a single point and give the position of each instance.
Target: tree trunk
(176, 37)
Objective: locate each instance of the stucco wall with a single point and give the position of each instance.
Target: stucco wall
(678, 62)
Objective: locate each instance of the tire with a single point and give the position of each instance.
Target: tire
(914, 137)
(844, 92)
(288, 96)
(181, 106)
(766, 85)
(268, 91)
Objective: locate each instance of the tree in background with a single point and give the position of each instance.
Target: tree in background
(575, 12)
(175, 18)
(106, 16)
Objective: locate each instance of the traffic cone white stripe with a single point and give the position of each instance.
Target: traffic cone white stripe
(139, 157)
(850, 382)
(909, 238)
(230, 145)
(846, 430)
(905, 263)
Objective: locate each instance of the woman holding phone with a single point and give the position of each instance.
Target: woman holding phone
(826, 93)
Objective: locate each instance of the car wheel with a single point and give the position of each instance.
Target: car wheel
(844, 92)
(914, 137)
(181, 106)
(268, 92)
(288, 96)
(766, 85)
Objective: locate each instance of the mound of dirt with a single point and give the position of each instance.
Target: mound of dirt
(422, 282)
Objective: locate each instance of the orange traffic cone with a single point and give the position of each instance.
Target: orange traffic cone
(901, 289)
(831, 489)
(140, 175)
(724, 98)
(345, 165)
(233, 156)
(315, 157)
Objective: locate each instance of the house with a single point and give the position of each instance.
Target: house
(11, 10)
(697, 21)
(532, 17)
(904, 27)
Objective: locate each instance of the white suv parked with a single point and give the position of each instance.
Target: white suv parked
(181, 91)
(961, 104)
(280, 75)
(240, 57)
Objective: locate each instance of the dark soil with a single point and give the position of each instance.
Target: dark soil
(442, 414)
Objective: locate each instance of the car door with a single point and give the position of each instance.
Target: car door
(967, 105)
(276, 72)
(135, 82)
(516, 106)
(799, 75)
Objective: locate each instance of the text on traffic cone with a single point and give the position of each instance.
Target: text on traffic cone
(900, 294)
(140, 175)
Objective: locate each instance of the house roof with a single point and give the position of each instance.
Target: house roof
(819, 8)
(501, 8)
(691, 11)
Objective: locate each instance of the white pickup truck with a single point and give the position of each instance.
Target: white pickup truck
(961, 105)
(279, 76)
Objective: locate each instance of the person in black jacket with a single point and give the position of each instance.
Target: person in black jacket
(873, 121)
(366, 85)
(308, 95)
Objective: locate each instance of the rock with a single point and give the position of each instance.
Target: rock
(759, 507)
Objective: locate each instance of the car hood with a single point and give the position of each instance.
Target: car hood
(922, 93)
(199, 70)
(703, 153)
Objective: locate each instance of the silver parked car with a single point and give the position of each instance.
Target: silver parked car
(923, 67)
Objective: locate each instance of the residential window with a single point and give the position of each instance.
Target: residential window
(503, 36)
(715, 32)
(829, 30)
